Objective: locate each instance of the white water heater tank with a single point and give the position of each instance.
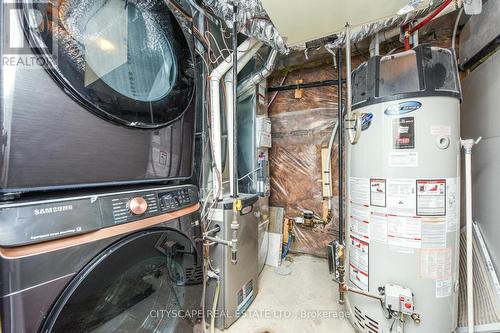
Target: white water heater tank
(403, 193)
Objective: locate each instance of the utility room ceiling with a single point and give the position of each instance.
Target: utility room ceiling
(300, 21)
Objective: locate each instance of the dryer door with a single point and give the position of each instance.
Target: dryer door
(127, 61)
(148, 282)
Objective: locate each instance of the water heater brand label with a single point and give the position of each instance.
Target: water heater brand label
(366, 121)
(402, 108)
(403, 133)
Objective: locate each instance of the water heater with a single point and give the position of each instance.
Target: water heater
(403, 193)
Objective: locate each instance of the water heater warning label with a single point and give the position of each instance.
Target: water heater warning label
(431, 197)
(403, 133)
(378, 193)
(358, 263)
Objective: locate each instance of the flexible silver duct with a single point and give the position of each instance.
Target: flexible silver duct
(252, 20)
(359, 33)
(246, 86)
(255, 22)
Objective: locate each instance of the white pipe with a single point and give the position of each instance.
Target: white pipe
(214, 307)
(467, 145)
(415, 38)
(375, 45)
(261, 75)
(215, 118)
(381, 37)
(468, 209)
(455, 28)
(231, 113)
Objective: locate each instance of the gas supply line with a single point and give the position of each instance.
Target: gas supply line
(235, 226)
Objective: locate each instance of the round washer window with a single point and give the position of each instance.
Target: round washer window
(130, 287)
(127, 61)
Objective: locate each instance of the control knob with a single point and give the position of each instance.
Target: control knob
(138, 205)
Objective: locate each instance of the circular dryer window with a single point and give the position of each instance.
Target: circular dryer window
(150, 281)
(128, 61)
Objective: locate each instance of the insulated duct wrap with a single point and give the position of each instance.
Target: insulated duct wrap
(252, 21)
(358, 33)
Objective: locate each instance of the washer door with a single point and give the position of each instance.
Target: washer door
(127, 61)
(148, 282)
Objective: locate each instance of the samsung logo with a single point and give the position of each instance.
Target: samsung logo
(402, 108)
(51, 210)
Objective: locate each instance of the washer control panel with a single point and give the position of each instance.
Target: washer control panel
(34, 221)
(174, 200)
(129, 207)
(139, 205)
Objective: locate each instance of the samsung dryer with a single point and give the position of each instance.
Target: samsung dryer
(95, 93)
(130, 262)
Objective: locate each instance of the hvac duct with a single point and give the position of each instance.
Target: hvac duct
(246, 86)
(402, 233)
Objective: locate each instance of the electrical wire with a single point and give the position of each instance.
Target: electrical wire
(209, 36)
(245, 176)
(277, 92)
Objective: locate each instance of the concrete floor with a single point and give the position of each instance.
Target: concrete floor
(304, 301)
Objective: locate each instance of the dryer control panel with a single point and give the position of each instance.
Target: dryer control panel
(35, 221)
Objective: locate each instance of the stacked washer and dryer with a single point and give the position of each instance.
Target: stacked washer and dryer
(98, 232)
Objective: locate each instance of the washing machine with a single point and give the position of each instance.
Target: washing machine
(128, 261)
(95, 93)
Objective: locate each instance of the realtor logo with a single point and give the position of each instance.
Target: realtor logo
(19, 21)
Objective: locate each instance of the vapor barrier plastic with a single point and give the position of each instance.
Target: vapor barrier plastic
(296, 174)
